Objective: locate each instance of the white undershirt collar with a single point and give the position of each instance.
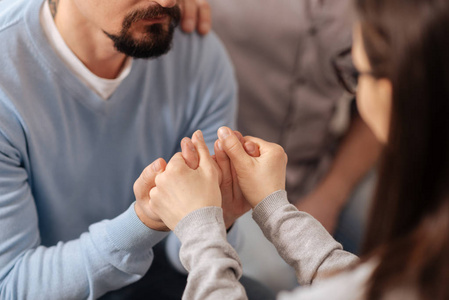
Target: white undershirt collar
(101, 86)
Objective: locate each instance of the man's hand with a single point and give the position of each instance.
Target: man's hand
(195, 14)
(142, 187)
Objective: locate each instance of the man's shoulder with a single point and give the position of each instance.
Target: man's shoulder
(11, 13)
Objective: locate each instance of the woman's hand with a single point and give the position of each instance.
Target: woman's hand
(195, 14)
(259, 176)
(180, 189)
(234, 203)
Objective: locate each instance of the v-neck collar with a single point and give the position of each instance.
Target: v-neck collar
(53, 61)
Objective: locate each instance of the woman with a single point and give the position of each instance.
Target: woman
(400, 51)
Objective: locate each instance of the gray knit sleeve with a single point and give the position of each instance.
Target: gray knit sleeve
(300, 239)
(214, 266)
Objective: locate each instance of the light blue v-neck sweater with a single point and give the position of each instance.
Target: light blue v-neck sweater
(68, 159)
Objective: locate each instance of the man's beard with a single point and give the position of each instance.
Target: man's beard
(157, 40)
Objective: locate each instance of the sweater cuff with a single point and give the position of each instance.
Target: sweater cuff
(200, 217)
(269, 205)
(128, 233)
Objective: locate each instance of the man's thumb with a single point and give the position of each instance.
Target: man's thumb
(231, 144)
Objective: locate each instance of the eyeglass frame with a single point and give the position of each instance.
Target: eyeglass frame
(339, 71)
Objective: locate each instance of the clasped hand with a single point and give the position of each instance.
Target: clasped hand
(243, 171)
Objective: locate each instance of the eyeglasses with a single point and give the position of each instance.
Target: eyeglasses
(346, 72)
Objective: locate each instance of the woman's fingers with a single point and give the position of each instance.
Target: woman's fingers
(204, 17)
(251, 148)
(232, 146)
(189, 15)
(195, 14)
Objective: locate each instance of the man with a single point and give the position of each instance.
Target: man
(289, 94)
(89, 95)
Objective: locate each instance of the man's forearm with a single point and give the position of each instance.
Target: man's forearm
(111, 255)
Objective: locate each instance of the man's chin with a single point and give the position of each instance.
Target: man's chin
(149, 42)
(145, 49)
(150, 37)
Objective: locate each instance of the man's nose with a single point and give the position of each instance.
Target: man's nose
(166, 3)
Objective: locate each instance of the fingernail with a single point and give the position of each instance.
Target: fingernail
(199, 135)
(219, 146)
(189, 25)
(156, 166)
(250, 148)
(223, 132)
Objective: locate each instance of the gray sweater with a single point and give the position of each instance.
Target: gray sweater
(214, 267)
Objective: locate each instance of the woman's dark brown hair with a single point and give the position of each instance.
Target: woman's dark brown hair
(407, 41)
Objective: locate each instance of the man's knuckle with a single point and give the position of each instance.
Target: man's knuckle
(159, 180)
(147, 175)
(136, 186)
(154, 194)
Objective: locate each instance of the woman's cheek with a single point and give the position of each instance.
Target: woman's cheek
(368, 110)
(363, 102)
